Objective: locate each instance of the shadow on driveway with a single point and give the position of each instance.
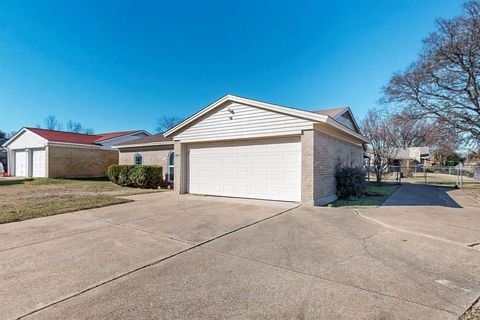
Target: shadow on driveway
(410, 194)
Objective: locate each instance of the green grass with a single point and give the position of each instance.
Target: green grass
(40, 197)
(384, 192)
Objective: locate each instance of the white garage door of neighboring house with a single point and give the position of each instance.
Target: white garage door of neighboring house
(20, 163)
(38, 163)
(265, 170)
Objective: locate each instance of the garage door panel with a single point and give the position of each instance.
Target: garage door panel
(290, 160)
(20, 163)
(268, 170)
(38, 163)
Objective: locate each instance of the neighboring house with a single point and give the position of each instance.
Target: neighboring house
(410, 156)
(403, 160)
(34, 152)
(3, 154)
(239, 147)
(150, 150)
(404, 157)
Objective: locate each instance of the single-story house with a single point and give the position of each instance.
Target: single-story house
(3, 154)
(34, 152)
(403, 160)
(149, 150)
(238, 147)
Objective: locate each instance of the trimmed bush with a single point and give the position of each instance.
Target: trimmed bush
(138, 176)
(113, 172)
(350, 182)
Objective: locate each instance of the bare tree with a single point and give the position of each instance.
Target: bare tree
(444, 147)
(408, 130)
(3, 135)
(376, 127)
(166, 123)
(51, 123)
(77, 127)
(444, 83)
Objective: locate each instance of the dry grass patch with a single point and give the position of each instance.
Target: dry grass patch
(383, 192)
(40, 197)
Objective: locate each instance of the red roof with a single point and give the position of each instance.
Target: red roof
(70, 137)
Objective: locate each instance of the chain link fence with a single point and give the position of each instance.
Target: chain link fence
(459, 176)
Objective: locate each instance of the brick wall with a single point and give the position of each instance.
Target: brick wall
(329, 152)
(73, 162)
(307, 167)
(151, 156)
(180, 185)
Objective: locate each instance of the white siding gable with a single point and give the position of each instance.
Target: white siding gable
(238, 121)
(27, 139)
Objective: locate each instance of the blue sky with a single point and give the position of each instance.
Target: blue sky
(120, 65)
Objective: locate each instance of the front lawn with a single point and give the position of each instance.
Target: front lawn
(39, 197)
(384, 192)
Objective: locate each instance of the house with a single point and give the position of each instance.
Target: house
(402, 160)
(409, 156)
(3, 154)
(34, 152)
(238, 147)
(149, 150)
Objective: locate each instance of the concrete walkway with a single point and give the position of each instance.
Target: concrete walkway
(182, 257)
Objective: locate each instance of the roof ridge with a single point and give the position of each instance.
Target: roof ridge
(124, 131)
(63, 131)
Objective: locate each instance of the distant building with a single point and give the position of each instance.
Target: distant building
(402, 160)
(409, 156)
(3, 154)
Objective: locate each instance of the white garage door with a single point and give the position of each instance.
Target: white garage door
(20, 163)
(38, 163)
(267, 170)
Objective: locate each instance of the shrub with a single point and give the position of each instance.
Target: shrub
(138, 176)
(350, 182)
(112, 172)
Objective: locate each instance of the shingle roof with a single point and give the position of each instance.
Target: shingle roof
(70, 137)
(331, 112)
(149, 139)
(111, 135)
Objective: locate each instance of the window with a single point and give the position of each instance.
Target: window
(138, 158)
(171, 161)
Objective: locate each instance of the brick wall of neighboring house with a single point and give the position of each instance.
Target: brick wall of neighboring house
(329, 152)
(151, 156)
(76, 162)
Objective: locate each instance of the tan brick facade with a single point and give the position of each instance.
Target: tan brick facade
(180, 185)
(307, 167)
(321, 154)
(77, 162)
(330, 152)
(157, 155)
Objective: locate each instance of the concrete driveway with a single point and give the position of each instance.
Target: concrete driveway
(182, 257)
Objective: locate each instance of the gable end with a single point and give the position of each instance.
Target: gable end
(235, 120)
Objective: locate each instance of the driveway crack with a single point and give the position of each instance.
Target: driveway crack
(331, 280)
(153, 263)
